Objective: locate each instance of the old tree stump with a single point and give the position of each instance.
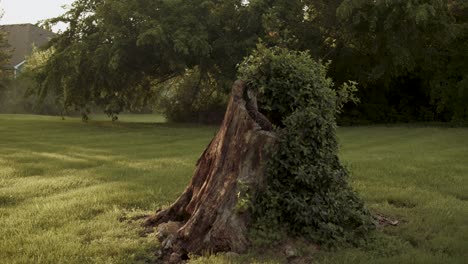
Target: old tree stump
(206, 217)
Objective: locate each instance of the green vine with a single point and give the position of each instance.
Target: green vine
(308, 192)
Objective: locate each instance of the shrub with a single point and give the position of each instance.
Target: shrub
(193, 98)
(307, 190)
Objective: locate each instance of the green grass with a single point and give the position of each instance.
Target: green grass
(131, 118)
(67, 189)
(419, 176)
(64, 185)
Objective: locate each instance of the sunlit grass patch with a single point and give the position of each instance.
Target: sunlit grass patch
(65, 185)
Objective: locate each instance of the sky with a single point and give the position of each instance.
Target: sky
(32, 11)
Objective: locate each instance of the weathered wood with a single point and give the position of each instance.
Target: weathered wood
(232, 162)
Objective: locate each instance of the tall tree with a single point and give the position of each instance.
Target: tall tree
(449, 83)
(114, 50)
(407, 56)
(402, 53)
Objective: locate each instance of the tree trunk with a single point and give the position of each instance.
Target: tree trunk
(207, 217)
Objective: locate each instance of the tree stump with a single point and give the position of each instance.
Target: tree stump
(206, 217)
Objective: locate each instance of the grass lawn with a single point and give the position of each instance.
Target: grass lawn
(131, 118)
(68, 189)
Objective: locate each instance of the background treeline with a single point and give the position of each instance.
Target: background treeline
(17, 95)
(409, 57)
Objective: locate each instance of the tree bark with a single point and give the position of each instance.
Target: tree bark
(207, 216)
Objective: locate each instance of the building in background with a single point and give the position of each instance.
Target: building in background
(22, 38)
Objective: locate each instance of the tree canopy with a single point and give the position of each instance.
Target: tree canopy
(409, 57)
(114, 50)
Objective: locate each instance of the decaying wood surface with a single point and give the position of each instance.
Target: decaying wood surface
(206, 217)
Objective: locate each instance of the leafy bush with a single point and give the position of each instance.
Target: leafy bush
(307, 190)
(193, 97)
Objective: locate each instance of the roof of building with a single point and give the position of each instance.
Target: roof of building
(22, 38)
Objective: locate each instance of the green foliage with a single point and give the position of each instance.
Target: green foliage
(409, 56)
(244, 197)
(18, 95)
(192, 97)
(114, 51)
(307, 188)
(38, 59)
(449, 84)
